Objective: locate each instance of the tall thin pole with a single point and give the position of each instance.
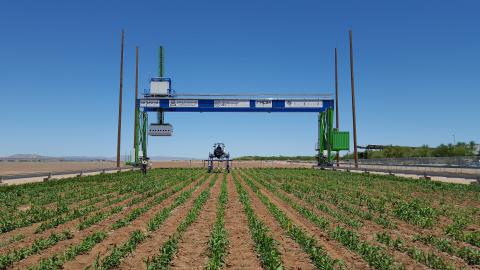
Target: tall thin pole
(135, 146)
(355, 153)
(120, 103)
(336, 101)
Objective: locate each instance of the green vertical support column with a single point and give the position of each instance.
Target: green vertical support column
(325, 136)
(160, 62)
(144, 133)
(137, 132)
(320, 137)
(329, 137)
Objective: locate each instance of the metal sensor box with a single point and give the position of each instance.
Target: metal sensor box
(160, 87)
(160, 130)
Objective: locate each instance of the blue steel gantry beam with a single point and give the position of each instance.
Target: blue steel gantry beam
(329, 139)
(269, 105)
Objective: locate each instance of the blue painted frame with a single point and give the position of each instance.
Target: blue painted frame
(207, 105)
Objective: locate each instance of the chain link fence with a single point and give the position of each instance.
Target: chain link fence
(454, 162)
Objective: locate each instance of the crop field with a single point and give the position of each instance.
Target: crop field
(249, 219)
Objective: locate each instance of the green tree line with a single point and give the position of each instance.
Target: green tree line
(443, 150)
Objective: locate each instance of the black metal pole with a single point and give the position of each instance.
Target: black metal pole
(355, 153)
(120, 103)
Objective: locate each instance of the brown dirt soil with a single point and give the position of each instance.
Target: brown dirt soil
(24, 207)
(193, 247)
(33, 167)
(150, 247)
(78, 235)
(333, 248)
(293, 257)
(241, 251)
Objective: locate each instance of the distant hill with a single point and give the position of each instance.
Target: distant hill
(27, 156)
(37, 157)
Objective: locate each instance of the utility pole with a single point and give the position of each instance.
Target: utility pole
(120, 102)
(135, 127)
(355, 153)
(337, 120)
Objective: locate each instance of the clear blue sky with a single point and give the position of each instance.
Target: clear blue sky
(417, 72)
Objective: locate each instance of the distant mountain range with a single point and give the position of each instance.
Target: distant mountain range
(36, 157)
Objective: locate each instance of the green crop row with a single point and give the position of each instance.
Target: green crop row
(57, 261)
(134, 214)
(456, 230)
(415, 212)
(470, 255)
(63, 192)
(429, 259)
(99, 216)
(412, 209)
(37, 246)
(265, 245)
(312, 195)
(36, 213)
(317, 253)
(40, 193)
(169, 248)
(218, 241)
(118, 253)
(54, 222)
(29, 217)
(12, 239)
(157, 220)
(373, 255)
